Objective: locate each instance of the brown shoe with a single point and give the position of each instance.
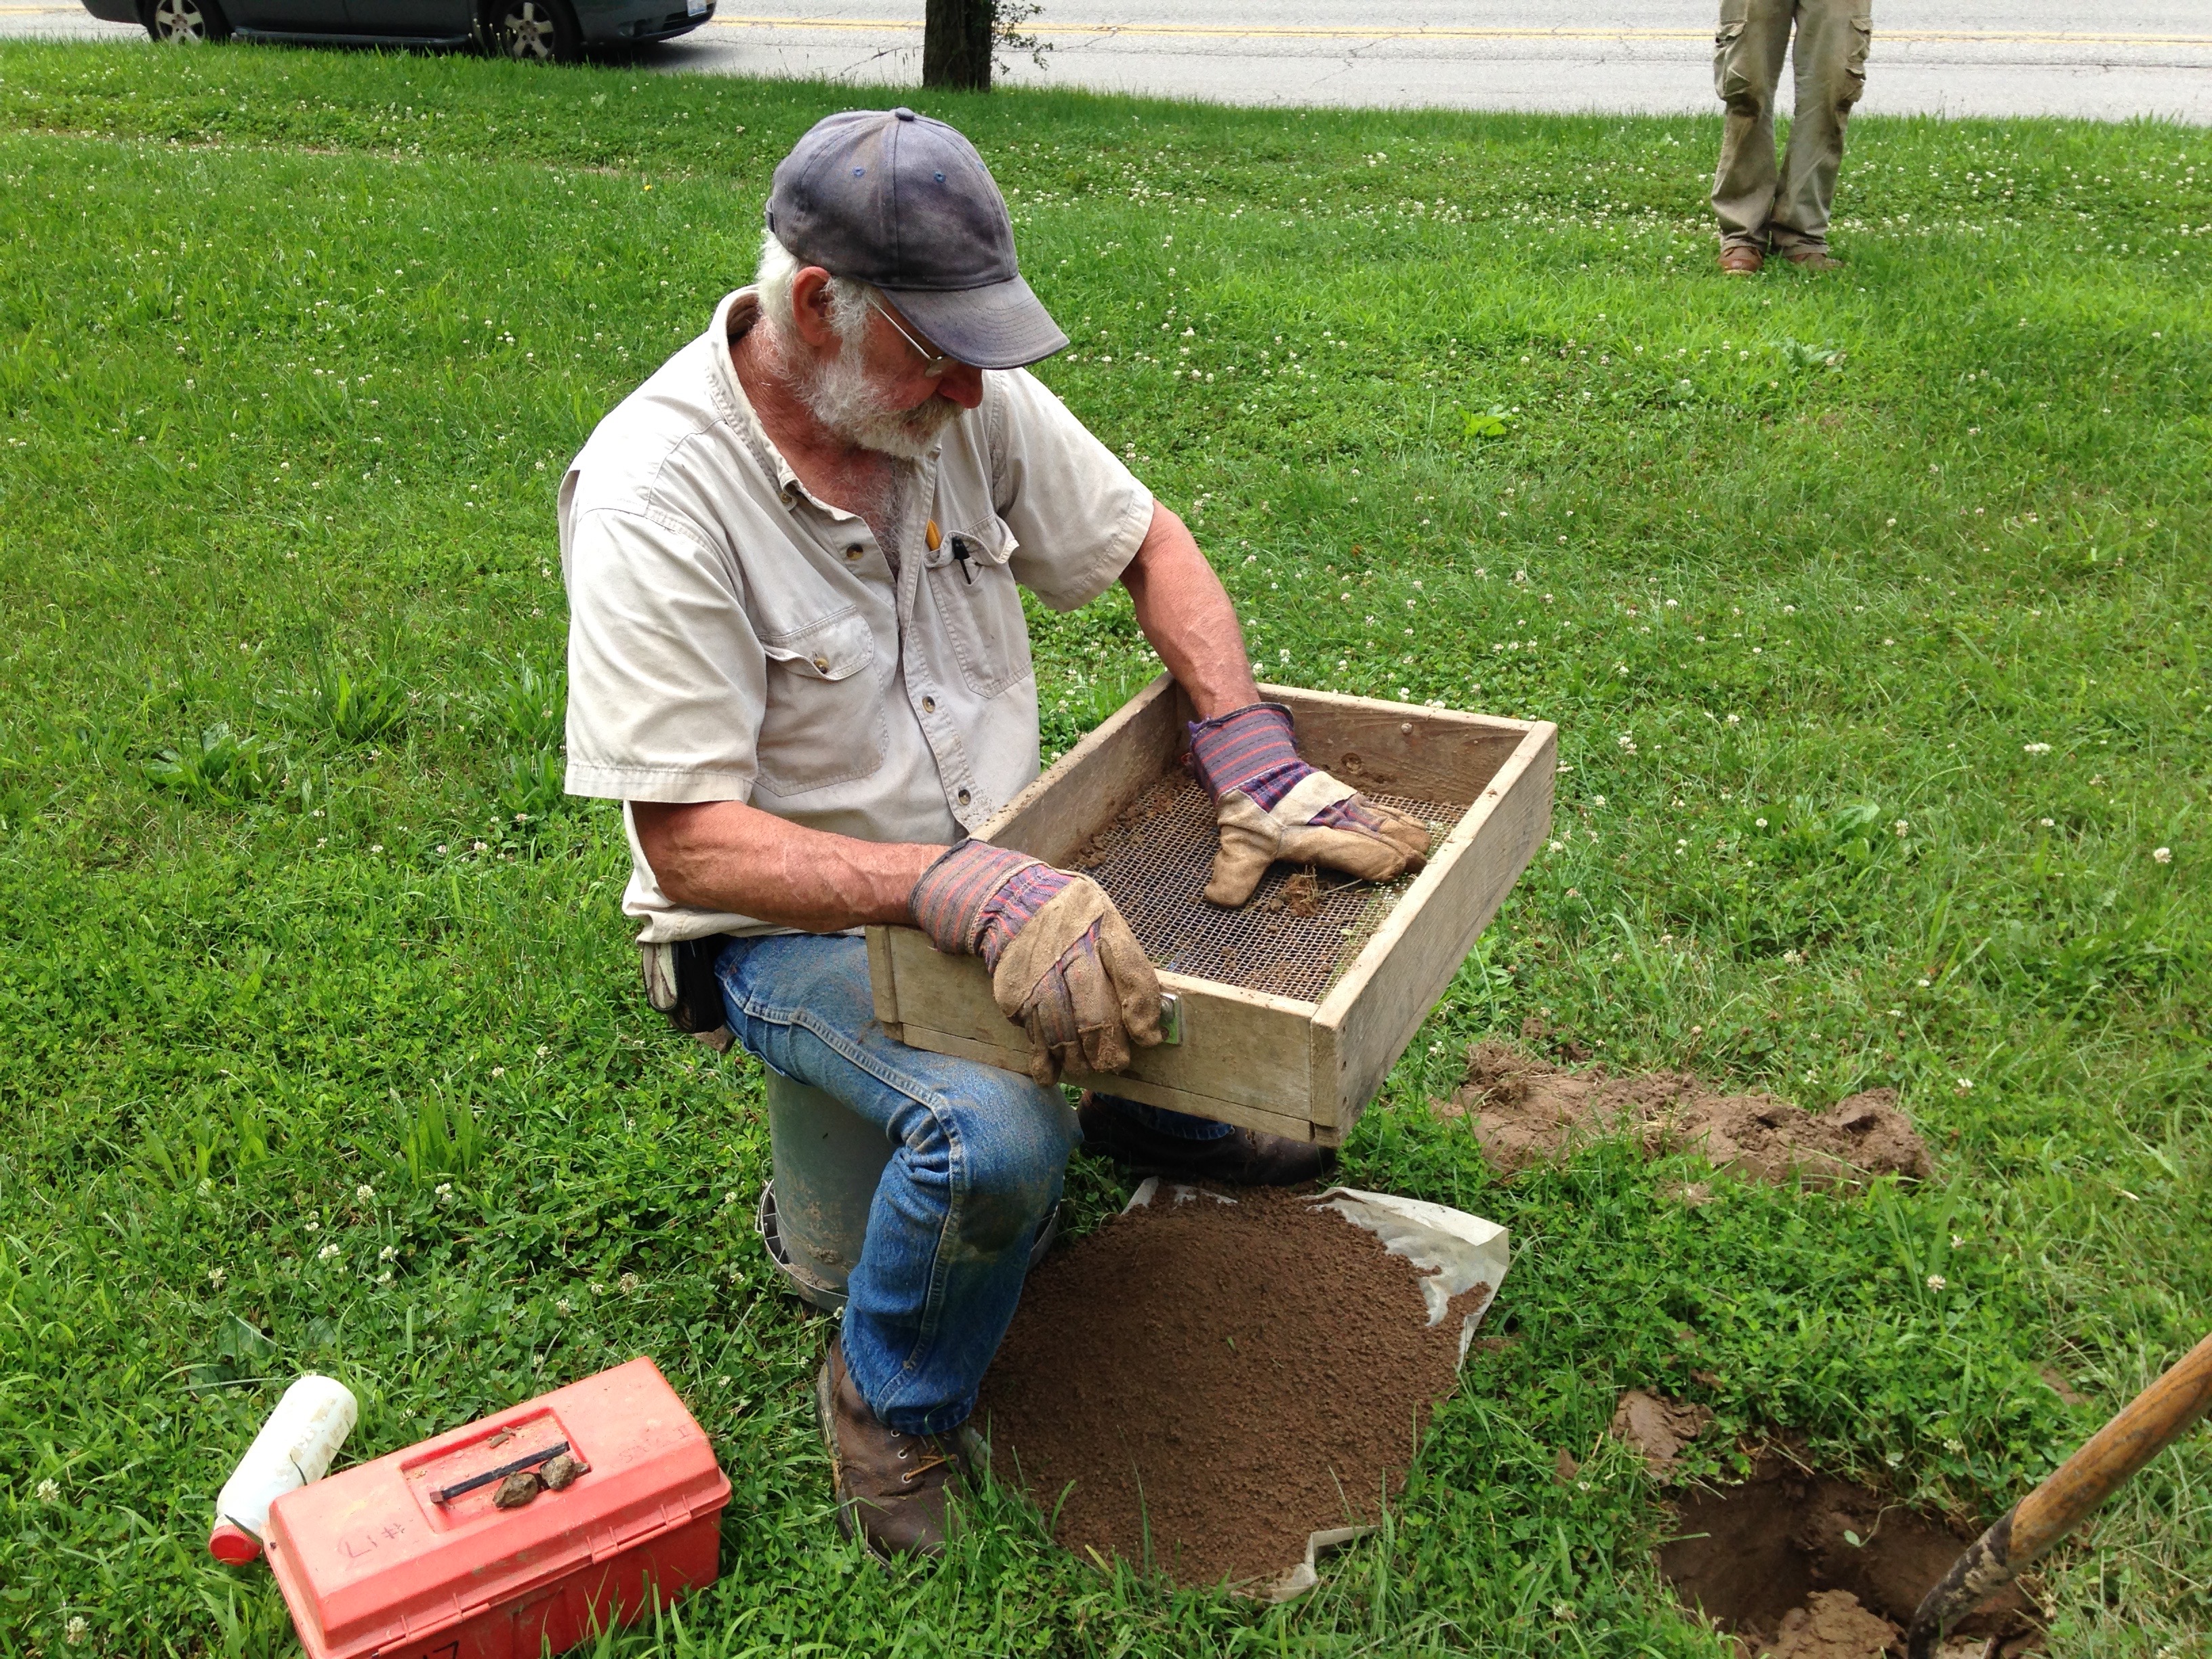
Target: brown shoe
(1811, 256)
(1738, 259)
(1243, 1157)
(894, 1488)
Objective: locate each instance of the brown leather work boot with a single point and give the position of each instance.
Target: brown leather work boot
(895, 1488)
(1245, 1157)
(1740, 260)
(1811, 256)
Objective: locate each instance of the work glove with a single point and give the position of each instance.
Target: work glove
(1270, 805)
(1064, 964)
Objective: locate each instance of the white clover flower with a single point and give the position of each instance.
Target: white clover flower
(2046, 823)
(1735, 720)
(1597, 800)
(384, 1278)
(1963, 1084)
(1793, 957)
(1759, 822)
(562, 1305)
(389, 1253)
(1902, 828)
(1554, 846)
(314, 1225)
(1937, 1282)
(445, 1190)
(216, 1277)
(364, 1194)
(326, 1252)
(2161, 855)
(73, 1631)
(2035, 749)
(50, 1491)
(627, 1283)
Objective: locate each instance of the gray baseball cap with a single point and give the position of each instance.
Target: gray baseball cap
(897, 200)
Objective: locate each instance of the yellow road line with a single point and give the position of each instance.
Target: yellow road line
(1225, 32)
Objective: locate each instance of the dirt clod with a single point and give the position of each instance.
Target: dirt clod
(1833, 1624)
(560, 1473)
(1202, 1385)
(1657, 1429)
(518, 1489)
(1527, 1111)
(1799, 1565)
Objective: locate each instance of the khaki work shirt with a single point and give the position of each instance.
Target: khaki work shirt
(733, 638)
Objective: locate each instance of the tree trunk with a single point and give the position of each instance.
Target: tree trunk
(955, 44)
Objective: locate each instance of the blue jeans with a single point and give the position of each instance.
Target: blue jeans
(977, 1166)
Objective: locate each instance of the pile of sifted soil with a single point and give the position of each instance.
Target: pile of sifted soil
(1773, 1563)
(1199, 1385)
(1525, 1111)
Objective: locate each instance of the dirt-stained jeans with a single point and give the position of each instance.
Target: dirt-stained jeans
(1758, 206)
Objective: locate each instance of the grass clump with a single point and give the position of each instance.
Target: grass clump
(1871, 608)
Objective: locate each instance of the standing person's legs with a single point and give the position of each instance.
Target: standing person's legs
(1830, 64)
(976, 1162)
(1748, 52)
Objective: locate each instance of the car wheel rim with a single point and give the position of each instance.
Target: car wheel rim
(178, 20)
(527, 31)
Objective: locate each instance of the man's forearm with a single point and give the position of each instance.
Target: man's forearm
(1187, 614)
(727, 856)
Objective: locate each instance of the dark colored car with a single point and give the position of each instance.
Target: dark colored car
(549, 29)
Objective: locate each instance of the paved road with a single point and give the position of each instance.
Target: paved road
(2122, 59)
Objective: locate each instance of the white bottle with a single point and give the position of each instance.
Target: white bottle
(294, 1447)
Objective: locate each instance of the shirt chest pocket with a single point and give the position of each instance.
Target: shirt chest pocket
(980, 607)
(823, 722)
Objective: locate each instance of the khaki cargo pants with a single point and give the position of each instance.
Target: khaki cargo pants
(1757, 205)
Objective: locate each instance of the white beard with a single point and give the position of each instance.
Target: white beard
(839, 393)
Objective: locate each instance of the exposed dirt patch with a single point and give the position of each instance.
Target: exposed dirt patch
(1526, 1111)
(1204, 1385)
(1657, 1429)
(1772, 1562)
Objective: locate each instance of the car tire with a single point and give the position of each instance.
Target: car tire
(533, 31)
(186, 22)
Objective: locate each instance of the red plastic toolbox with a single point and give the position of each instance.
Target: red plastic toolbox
(373, 1564)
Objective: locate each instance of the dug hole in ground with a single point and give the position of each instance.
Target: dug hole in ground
(1794, 1563)
(1220, 1389)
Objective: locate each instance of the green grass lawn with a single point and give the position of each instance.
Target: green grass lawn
(1872, 609)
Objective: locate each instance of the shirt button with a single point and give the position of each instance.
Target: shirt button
(822, 663)
(962, 797)
(854, 551)
(929, 705)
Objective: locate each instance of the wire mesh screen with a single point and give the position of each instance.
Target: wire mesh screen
(1303, 927)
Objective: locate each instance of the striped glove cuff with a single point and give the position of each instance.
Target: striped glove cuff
(1247, 749)
(975, 899)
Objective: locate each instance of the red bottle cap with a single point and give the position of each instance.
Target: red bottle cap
(232, 1545)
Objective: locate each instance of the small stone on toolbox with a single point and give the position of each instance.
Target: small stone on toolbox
(560, 1473)
(517, 1490)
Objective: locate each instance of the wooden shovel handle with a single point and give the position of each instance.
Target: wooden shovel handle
(2146, 1426)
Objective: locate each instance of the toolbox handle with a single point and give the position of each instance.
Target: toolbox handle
(527, 1461)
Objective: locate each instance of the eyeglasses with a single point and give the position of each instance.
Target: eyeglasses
(933, 362)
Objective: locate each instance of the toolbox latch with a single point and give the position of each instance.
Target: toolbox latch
(615, 1543)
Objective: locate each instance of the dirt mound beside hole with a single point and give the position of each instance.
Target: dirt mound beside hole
(1525, 1110)
(1805, 1566)
(1200, 1386)
(1657, 1429)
